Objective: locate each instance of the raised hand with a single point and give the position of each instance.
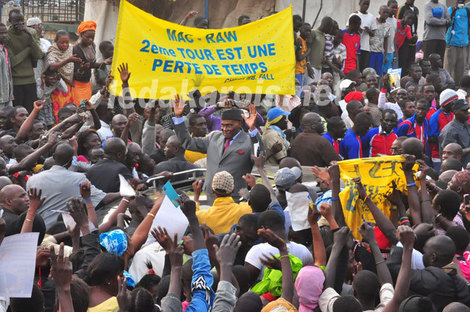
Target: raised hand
(250, 179)
(340, 237)
(77, 210)
(42, 257)
(38, 105)
(192, 14)
(313, 215)
(227, 251)
(367, 232)
(35, 200)
(259, 161)
(406, 235)
(189, 208)
(61, 268)
(270, 262)
(276, 148)
(162, 237)
(360, 188)
(132, 118)
(178, 106)
(272, 239)
(321, 174)
(325, 210)
(85, 189)
(409, 162)
(333, 171)
(250, 121)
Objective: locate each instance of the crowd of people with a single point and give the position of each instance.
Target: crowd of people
(66, 144)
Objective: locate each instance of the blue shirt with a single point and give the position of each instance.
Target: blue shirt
(201, 283)
(351, 146)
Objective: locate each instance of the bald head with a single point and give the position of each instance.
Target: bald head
(452, 150)
(165, 134)
(456, 307)
(353, 108)
(312, 123)
(413, 146)
(447, 175)
(14, 198)
(438, 251)
(289, 162)
(63, 154)
(115, 149)
(118, 123)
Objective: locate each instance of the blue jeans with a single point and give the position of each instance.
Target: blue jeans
(376, 61)
(389, 64)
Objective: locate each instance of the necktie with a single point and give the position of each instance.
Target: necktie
(227, 144)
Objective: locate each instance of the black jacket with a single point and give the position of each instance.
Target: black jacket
(441, 287)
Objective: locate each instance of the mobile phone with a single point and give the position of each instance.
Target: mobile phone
(466, 199)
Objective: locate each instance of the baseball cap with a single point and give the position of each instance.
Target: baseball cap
(346, 83)
(286, 177)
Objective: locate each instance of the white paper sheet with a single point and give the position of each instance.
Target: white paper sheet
(171, 218)
(297, 206)
(125, 189)
(17, 264)
(70, 222)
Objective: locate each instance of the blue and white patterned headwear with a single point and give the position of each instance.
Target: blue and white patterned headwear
(114, 241)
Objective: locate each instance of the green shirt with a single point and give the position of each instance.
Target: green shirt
(317, 47)
(24, 53)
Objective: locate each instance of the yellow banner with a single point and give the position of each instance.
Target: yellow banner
(167, 59)
(379, 175)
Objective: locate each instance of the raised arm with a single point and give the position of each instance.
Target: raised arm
(28, 123)
(335, 189)
(259, 163)
(35, 202)
(189, 143)
(384, 223)
(407, 238)
(340, 238)
(319, 251)
(62, 275)
(287, 276)
(413, 197)
(29, 161)
(382, 270)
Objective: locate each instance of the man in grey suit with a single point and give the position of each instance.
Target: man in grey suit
(229, 149)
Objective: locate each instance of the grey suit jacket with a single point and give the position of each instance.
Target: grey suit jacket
(236, 159)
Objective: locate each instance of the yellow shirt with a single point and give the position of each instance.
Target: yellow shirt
(192, 156)
(223, 214)
(110, 305)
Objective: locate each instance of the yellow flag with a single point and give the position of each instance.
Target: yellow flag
(379, 175)
(167, 59)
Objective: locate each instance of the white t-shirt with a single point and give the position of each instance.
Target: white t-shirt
(367, 20)
(256, 252)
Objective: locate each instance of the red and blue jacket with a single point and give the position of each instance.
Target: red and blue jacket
(437, 122)
(378, 142)
(411, 129)
(333, 142)
(351, 146)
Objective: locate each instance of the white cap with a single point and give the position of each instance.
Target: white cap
(32, 21)
(346, 83)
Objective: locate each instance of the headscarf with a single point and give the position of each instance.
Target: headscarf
(309, 287)
(354, 95)
(114, 241)
(56, 55)
(280, 305)
(86, 25)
